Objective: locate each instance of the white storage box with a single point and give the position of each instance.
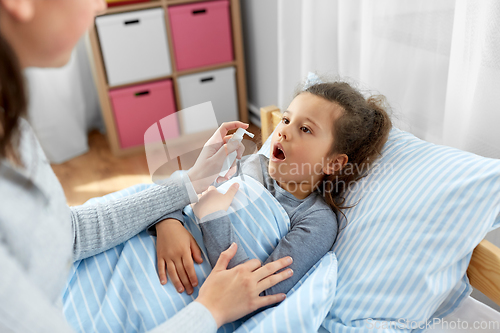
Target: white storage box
(134, 46)
(217, 86)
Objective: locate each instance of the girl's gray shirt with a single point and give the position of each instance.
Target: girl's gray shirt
(40, 237)
(312, 233)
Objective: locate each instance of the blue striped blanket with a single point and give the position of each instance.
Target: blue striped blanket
(119, 291)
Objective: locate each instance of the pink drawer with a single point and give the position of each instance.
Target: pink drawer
(137, 108)
(201, 34)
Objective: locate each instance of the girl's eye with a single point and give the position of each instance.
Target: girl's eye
(285, 120)
(305, 129)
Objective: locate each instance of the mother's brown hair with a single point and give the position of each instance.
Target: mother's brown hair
(13, 101)
(360, 133)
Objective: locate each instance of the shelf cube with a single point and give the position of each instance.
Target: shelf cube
(137, 108)
(134, 46)
(201, 34)
(217, 86)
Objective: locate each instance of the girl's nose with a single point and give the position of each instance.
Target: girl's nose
(284, 133)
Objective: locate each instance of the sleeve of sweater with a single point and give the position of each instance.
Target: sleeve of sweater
(194, 318)
(218, 235)
(23, 306)
(101, 226)
(307, 241)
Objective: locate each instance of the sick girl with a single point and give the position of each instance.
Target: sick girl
(329, 135)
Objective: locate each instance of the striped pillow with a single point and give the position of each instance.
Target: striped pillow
(404, 249)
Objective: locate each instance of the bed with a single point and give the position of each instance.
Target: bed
(360, 285)
(483, 270)
(484, 266)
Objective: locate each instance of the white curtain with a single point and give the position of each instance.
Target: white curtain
(63, 105)
(307, 39)
(472, 110)
(436, 61)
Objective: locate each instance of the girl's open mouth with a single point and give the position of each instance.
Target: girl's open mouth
(278, 152)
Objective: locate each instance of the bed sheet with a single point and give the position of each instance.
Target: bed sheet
(470, 317)
(118, 290)
(467, 318)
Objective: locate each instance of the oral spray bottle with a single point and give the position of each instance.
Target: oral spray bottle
(238, 136)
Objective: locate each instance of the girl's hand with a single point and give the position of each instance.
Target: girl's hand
(212, 200)
(175, 250)
(234, 293)
(208, 165)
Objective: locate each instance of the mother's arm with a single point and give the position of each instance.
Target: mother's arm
(101, 226)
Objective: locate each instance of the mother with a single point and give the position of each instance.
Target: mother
(40, 235)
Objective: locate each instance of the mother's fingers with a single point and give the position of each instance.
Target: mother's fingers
(252, 265)
(231, 191)
(239, 150)
(269, 300)
(273, 280)
(219, 136)
(272, 267)
(209, 189)
(221, 132)
(225, 257)
(226, 127)
(220, 153)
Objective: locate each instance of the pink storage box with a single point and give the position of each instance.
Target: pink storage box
(201, 34)
(137, 108)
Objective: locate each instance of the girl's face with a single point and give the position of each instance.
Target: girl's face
(43, 33)
(301, 143)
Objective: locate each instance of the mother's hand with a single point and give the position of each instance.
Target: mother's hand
(208, 165)
(234, 293)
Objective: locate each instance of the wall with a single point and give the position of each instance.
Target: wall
(63, 105)
(260, 35)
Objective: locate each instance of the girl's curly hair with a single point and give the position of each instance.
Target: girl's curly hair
(360, 133)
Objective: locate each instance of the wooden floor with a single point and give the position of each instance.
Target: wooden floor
(98, 172)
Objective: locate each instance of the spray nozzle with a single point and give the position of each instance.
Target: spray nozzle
(228, 162)
(240, 132)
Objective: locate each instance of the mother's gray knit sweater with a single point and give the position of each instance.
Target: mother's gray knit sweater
(40, 237)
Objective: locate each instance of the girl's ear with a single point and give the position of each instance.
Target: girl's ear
(335, 164)
(20, 10)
